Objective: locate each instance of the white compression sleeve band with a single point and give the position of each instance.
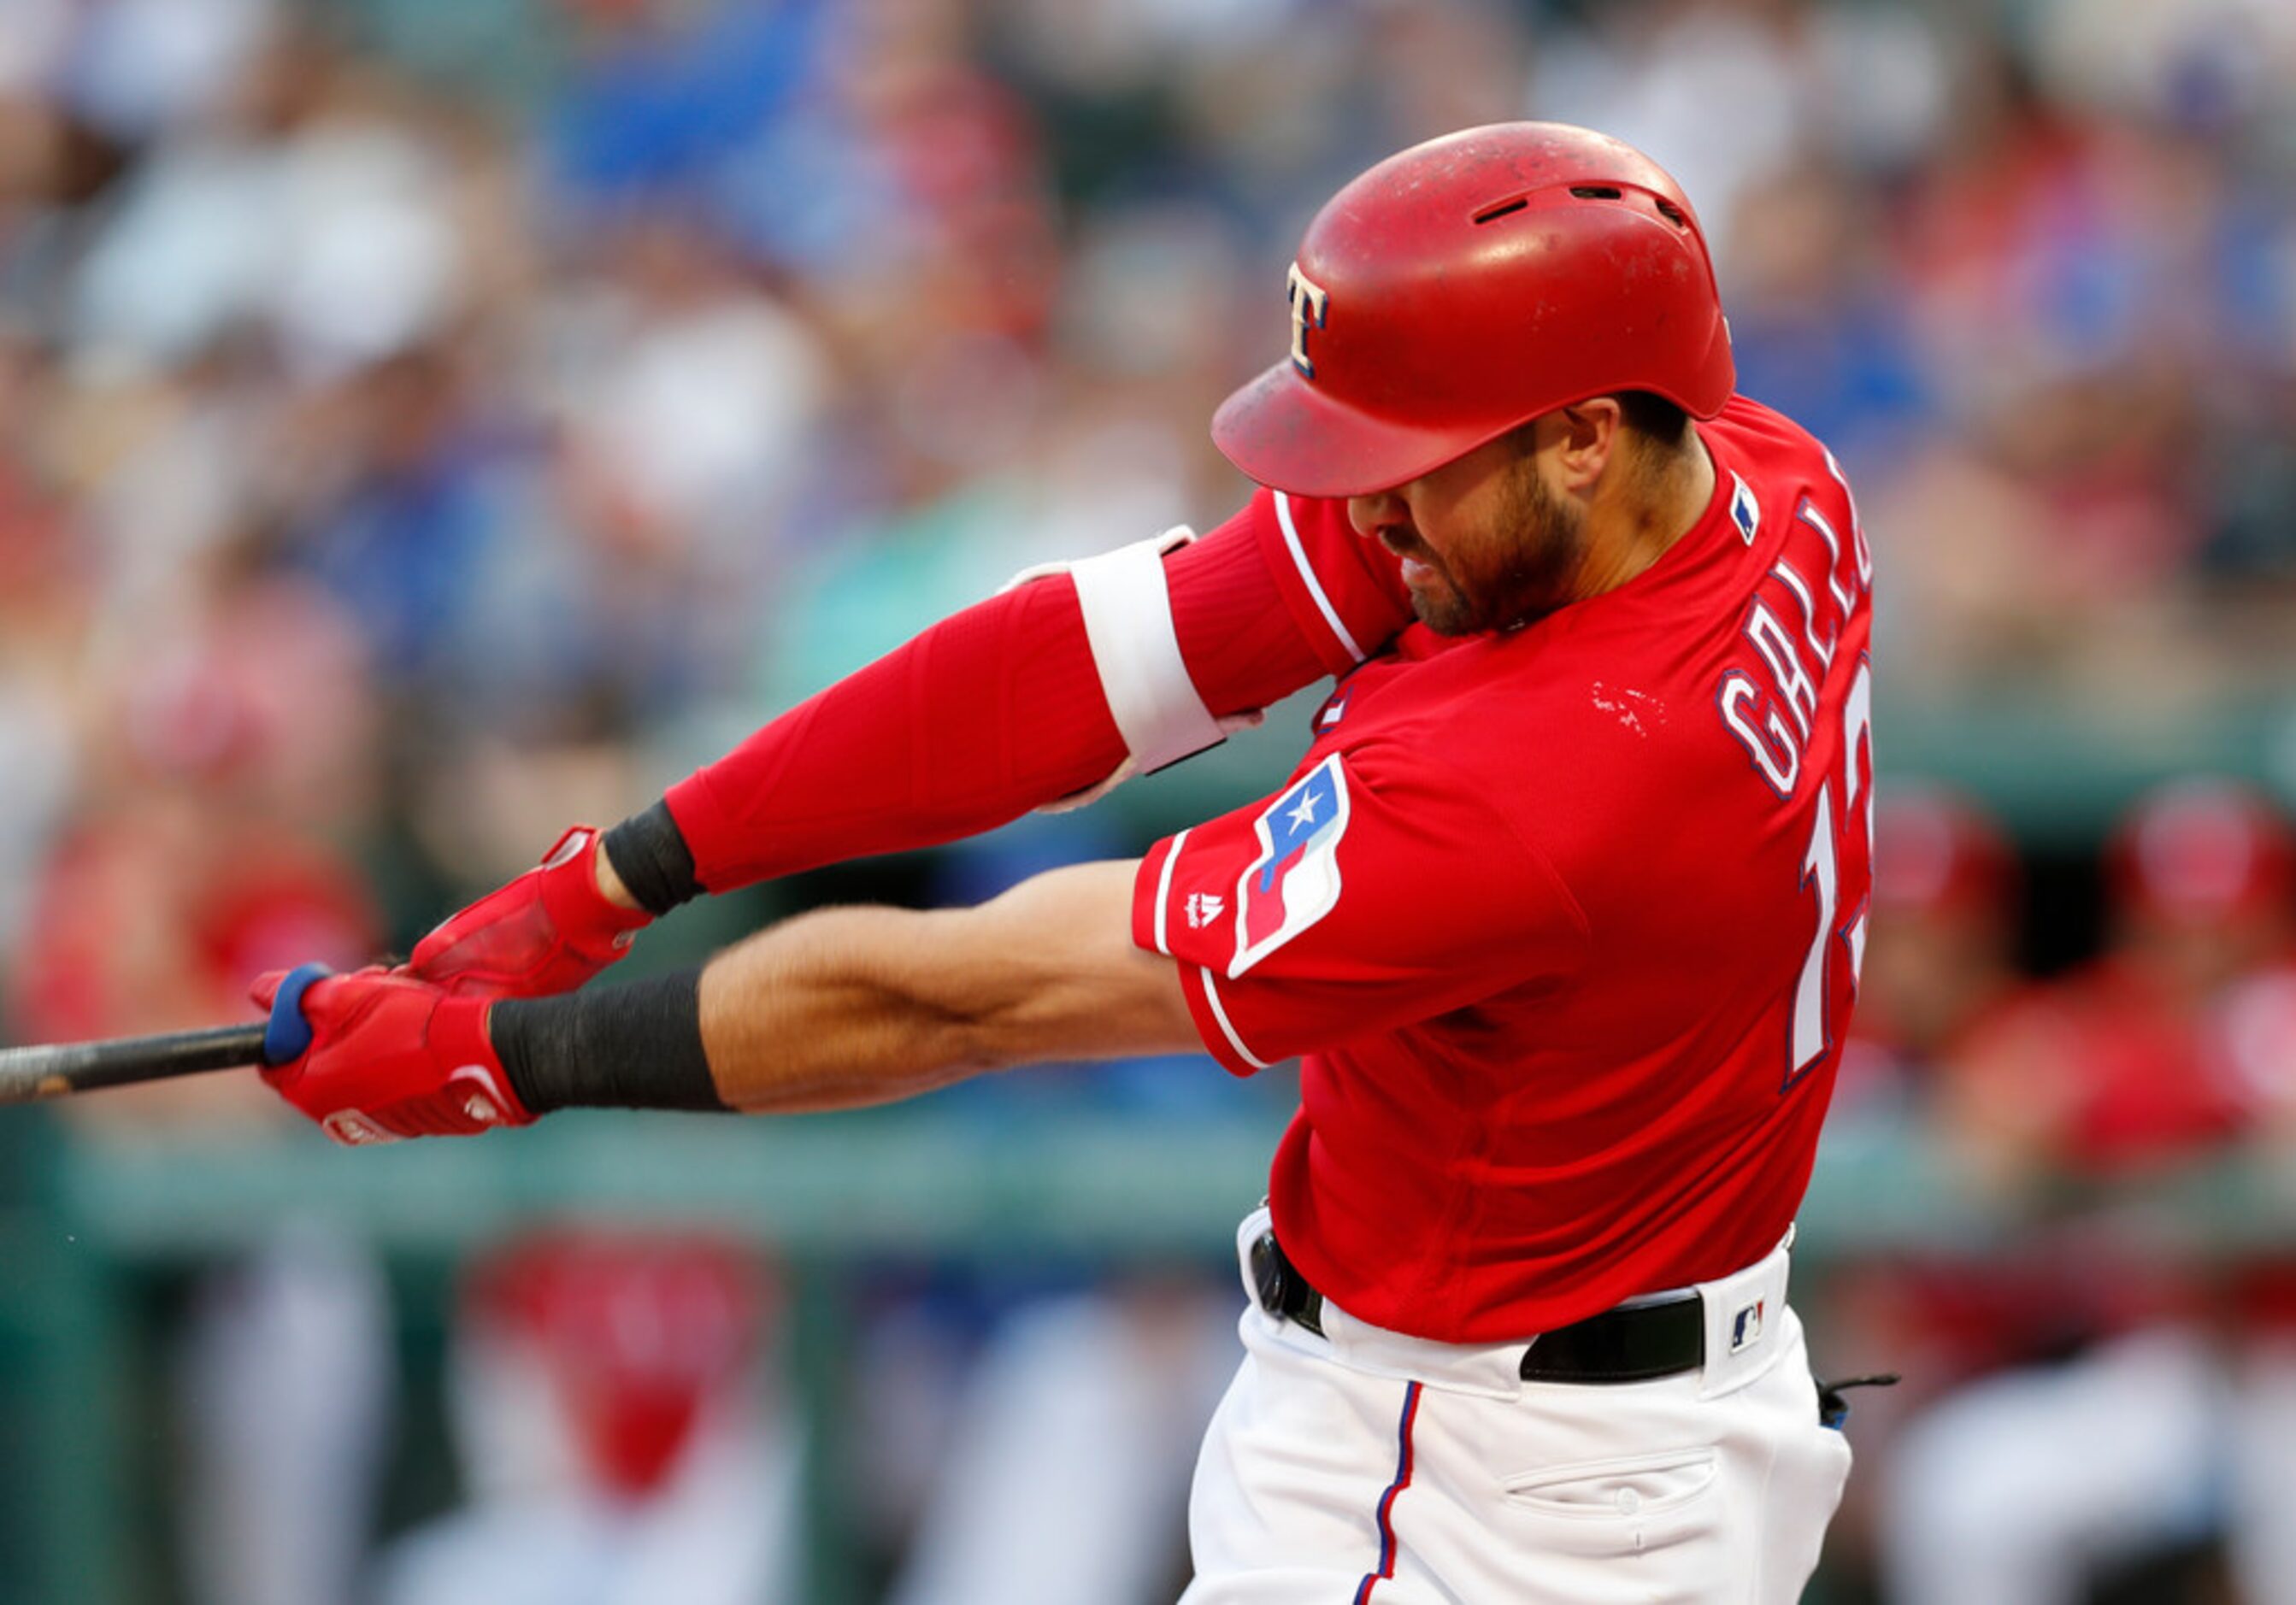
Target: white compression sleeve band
(1128, 618)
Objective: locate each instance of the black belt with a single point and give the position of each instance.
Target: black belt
(1634, 1343)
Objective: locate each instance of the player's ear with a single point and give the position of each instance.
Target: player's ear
(1585, 437)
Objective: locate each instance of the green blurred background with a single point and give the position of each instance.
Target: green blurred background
(424, 423)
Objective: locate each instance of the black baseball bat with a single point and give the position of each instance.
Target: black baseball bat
(28, 1075)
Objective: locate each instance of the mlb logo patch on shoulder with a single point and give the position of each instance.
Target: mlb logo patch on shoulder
(1295, 880)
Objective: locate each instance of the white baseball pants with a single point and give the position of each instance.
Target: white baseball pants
(1366, 1468)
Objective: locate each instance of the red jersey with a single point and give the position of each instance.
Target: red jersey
(1565, 920)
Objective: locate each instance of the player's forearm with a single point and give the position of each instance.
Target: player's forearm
(863, 1006)
(791, 1027)
(821, 1012)
(853, 1007)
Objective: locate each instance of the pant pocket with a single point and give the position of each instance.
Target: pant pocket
(1646, 1483)
(1664, 1507)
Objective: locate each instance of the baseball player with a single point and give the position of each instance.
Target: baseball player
(1561, 910)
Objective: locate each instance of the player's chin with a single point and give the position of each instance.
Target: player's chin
(1444, 609)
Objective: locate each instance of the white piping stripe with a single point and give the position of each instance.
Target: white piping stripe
(1315, 585)
(1164, 890)
(1219, 1013)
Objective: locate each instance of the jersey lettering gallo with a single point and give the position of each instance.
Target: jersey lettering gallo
(1775, 715)
(1819, 583)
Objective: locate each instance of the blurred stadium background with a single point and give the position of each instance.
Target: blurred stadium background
(424, 423)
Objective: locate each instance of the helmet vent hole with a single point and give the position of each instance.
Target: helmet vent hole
(1492, 214)
(1670, 212)
(1598, 192)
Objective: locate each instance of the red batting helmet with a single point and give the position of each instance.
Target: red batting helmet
(1467, 285)
(2202, 850)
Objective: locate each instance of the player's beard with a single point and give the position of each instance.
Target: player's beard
(1514, 574)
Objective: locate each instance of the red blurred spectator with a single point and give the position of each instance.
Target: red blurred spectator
(1945, 887)
(154, 915)
(636, 1338)
(621, 1433)
(2110, 1072)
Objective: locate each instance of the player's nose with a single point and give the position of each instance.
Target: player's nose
(1379, 509)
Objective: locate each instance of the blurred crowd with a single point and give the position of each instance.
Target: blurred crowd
(2097, 1322)
(419, 425)
(424, 425)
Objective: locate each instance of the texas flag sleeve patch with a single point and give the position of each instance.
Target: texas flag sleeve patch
(1295, 880)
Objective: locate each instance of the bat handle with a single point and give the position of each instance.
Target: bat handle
(29, 1074)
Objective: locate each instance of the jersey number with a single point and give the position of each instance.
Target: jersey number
(1821, 869)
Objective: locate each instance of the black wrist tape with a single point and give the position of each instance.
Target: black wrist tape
(633, 1047)
(648, 852)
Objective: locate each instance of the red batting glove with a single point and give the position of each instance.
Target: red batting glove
(549, 931)
(392, 1058)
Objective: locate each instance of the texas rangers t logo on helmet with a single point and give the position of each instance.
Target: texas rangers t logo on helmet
(1295, 880)
(1307, 304)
